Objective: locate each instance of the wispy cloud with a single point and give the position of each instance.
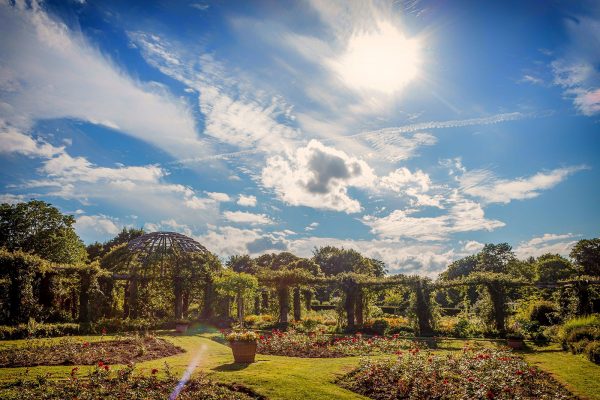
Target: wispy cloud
(484, 185)
(547, 243)
(243, 217)
(78, 81)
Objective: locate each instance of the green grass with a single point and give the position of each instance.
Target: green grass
(577, 373)
(296, 378)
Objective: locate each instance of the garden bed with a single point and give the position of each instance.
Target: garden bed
(469, 374)
(319, 345)
(69, 351)
(103, 383)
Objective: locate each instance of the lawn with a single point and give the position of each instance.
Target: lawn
(279, 377)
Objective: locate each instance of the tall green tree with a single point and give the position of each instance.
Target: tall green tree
(98, 250)
(586, 254)
(238, 284)
(39, 228)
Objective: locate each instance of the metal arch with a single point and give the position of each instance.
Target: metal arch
(160, 245)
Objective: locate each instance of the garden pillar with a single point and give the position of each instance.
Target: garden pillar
(283, 294)
(360, 307)
(265, 301)
(297, 304)
(209, 298)
(84, 296)
(349, 305)
(178, 294)
(308, 299)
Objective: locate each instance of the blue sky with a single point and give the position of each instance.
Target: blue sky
(412, 131)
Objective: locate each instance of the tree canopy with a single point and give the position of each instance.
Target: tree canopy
(39, 228)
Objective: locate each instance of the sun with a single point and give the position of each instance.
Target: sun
(383, 60)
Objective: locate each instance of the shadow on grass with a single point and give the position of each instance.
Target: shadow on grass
(231, 367)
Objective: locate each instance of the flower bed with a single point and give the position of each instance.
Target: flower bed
(104, 383)
(470, 374)
(317, 344)
(69, 351)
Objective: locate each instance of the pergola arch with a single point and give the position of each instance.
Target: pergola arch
(159, 256)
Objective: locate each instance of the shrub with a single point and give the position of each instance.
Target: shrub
(378, 327)
(543, 312)
(568, 326)
(593, 351)
(36, 329)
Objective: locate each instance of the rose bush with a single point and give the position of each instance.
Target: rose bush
(105, 383)
(318, 344)
(470, 374)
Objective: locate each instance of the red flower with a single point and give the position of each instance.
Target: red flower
(154, 371)
(445, 381)
(103, 331)
(519, 372)
(100, 364)
(106, 367)
(489, 394)
(470, 379)
(86, 344)
(74, 371)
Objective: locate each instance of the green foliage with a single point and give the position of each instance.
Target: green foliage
(243, 263)
(593, 351)
(36, 329)
(543, 312)
(554, 268)
(586, 254)
(236, 283)
(38, 227)
(590, 321)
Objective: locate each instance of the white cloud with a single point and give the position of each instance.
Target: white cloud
(228, 240)
(54, 72)
(139, 189)
(463, 216)
(247, 201)
(311, 227)
(547, 243)
(170, 225)
(244, 217)
(534, 80)
(96, 227)
(576, 70)
(12, 198)
(317, 176)
(415, 185)
(13, 141)
(472, 246)
(220, 197)
(485, 185)
(234, 112)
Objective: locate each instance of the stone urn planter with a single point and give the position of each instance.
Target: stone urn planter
(243, 345)
(182, 326)
(243, 352)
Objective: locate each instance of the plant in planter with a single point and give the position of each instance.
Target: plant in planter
(182, 325)
(514, 340)
(243, 345)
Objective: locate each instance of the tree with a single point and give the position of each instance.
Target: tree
(586, 254)
(495, 258)
(553, 268)
(243, 263)
(348, 265)
(39, 228)
(238, 284)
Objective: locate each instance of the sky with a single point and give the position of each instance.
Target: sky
(412, 131)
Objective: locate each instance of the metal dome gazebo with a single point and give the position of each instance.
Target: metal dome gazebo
(162, 255)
